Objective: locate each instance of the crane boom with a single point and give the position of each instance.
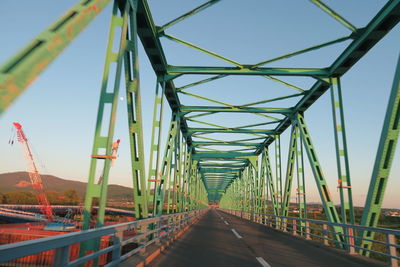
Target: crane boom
(34, 175)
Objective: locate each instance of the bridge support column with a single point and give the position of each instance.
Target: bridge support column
(383, 162)
(329, 207)
(343, 168)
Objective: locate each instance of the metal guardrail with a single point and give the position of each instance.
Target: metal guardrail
(350, 238)
(138, 234)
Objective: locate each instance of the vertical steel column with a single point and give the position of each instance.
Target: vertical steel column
(183, 181)
(192, 185)
(103, 144)
(270, 181)
(159, 195)
(344, 182)
(108, 98)
(172, 194)
(134, 109)
(186, 182)
(301, 192)
(383, 161)
(278, 167)
(329, 206)
(261, 185)
(254, 185)
(289, 172)
(154, 163)
(263, 179)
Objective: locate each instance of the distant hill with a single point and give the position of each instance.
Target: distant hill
(19, 181)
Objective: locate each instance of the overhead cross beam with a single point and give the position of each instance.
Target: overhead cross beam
(311, 72)
(377, 28)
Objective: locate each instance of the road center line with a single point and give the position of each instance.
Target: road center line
(226, 222)
(263, 262)
(236, 233)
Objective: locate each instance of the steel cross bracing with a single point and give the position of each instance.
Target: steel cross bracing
(195, 166)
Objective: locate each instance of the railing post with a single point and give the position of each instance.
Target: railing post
(117, 238)
(392, 250)
(294, 227)
(143, 230)
(308, 237)
(284, 225)
(352, 249)
(61, 256)
(325, 232)
(157, 226)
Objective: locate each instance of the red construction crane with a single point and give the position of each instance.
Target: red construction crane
(34, 175)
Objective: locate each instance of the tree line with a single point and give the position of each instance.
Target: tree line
(68, 197)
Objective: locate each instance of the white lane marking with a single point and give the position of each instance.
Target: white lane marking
(263, 262)
(236, 233)
(226, 222)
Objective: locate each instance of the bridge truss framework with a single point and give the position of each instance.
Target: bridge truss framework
(193, 168)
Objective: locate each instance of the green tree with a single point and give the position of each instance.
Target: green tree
(55, 198)
(21, 198)
(71, 197)
(3, 199)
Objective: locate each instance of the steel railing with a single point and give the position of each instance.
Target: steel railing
(385, 245)
(118, 242)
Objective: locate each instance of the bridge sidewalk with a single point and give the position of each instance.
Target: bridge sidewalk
(220, 239)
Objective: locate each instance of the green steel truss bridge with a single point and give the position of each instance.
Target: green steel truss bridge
(203, 161)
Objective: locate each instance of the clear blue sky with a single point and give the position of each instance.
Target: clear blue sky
(58, 111)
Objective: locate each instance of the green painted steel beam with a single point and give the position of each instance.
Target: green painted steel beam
(187, 109)
(196, 143)
(216, 77)
(205, 51)
(218, 130)
(220, 155)
(383, 162)
(230, 166)
(218, 176)
(98, 187)
(334, 15)
(313, 72)
(322, 186)
(148, 34)
(343, 166)
(219, 172)
(289, 172)
(216, 170)
(272, 99)
(231, 161)
(22, 69)
(312, 48)
(206, 98)
(187, 15)
(134, 111)
(266, 165)
(377, 28)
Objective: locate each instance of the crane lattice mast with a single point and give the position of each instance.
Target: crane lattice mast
(34, 175)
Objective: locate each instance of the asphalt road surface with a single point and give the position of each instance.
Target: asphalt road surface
(220, 239)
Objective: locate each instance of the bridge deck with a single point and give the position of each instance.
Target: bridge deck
(211, 242)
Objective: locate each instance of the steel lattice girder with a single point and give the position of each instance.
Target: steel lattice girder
(22, 69)
(363, 40)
